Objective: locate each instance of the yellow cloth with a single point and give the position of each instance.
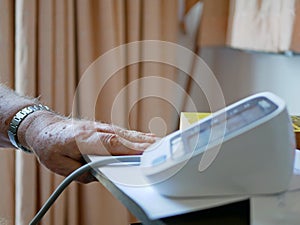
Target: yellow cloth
(188, 118)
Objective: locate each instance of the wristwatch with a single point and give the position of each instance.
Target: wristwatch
(17, 120)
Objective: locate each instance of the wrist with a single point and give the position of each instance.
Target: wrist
(7, 114)
(32, 127)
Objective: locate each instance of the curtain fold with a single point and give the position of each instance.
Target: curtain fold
(25, 83)
(261, 25)
(258, 25)
(48, 47)
(7, 157)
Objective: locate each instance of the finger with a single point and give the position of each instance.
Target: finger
(121, 146)
(131, 135)
(135, 136)
(94, 143)
(108, 144)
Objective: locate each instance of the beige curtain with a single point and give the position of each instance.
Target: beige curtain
(46, 47)
(259, 25)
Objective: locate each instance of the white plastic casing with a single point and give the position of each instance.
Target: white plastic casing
(255, 159)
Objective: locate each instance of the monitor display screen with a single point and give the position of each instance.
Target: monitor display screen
(219, 126)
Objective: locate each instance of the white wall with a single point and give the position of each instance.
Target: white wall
(242, 73)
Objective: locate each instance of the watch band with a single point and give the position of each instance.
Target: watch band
(17, 120)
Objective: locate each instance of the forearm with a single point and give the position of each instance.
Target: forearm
(10, 104)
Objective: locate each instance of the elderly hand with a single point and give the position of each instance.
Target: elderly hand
(60, 142)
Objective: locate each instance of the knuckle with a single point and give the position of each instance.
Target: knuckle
(113, 141)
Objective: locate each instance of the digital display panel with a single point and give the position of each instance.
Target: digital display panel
(234, 119)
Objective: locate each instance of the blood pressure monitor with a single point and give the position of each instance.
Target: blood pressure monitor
(245, 148)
